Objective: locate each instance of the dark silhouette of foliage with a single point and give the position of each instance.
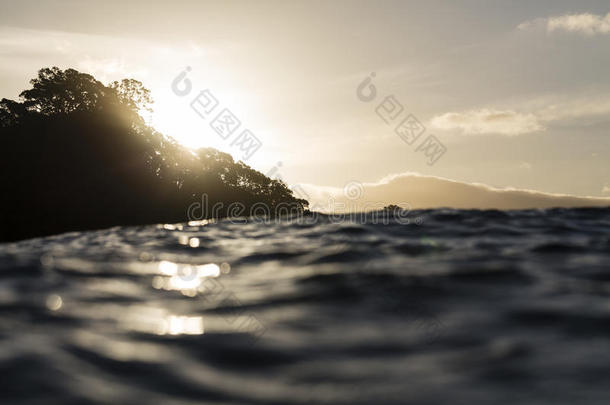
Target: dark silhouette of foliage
(11, 112)
(57, 91)
(133, 94)
(77, 155)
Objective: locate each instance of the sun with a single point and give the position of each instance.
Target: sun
(175, 118)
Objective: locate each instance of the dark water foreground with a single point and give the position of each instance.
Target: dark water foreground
(470, 307)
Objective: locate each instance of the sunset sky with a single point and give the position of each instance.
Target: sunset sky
(517, 91)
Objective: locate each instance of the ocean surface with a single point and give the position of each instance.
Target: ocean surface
(448, 307)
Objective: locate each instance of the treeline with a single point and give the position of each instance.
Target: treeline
(76, 154)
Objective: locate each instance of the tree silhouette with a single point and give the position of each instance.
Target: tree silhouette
(133, 95)
(77, 155)
(56, 91)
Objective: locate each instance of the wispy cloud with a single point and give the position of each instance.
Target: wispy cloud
(606, 189)
(575, 107)
(585, 23)
(543, 112)
(413, 190)
(89, 52)
(488, 121)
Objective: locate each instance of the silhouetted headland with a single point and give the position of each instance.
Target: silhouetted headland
(77, 155)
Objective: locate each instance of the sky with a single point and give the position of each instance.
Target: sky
(506, 94)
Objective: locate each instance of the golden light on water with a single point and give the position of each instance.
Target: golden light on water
(168, 268)
(198, 223)
(185, 278)
(172, 227)
(182, 284)
(160, 322)
(187, 240)
(181, 325)
(54, 302)
(188, 271)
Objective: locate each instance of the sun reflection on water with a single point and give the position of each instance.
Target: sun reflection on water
(159, 321)
(181, 325)
(185, 278)
(54, 302)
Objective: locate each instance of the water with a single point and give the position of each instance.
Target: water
(466, 307)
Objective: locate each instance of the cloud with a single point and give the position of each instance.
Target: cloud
(606, 189)
(30, 49)
(575, 107)
(585, 23)
(589, 24)
(544, 111)
(531, 24)
(413, 190)
(488, 121)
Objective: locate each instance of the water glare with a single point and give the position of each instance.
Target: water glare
(54, 302)
(182, 325)
(184, 277)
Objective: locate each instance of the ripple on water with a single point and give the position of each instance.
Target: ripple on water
(468, 306)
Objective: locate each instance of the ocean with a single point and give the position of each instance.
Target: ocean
(452, 306)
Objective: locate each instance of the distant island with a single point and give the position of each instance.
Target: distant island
(77, 155)
(393, 208)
